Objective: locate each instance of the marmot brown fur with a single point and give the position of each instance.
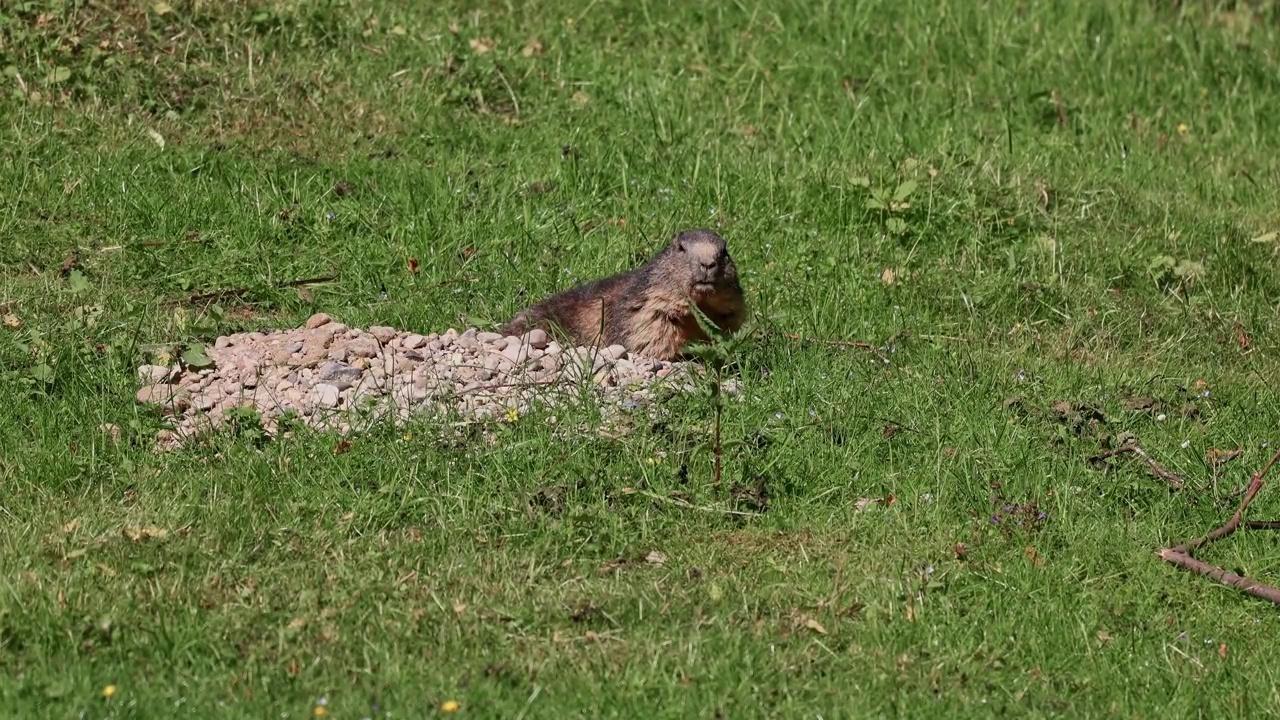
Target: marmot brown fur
(647, 310)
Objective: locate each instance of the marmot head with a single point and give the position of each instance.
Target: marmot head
(706, 258)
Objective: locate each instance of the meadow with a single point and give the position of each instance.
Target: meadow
(1054, 225)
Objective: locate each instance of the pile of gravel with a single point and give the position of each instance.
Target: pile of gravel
(333, 377)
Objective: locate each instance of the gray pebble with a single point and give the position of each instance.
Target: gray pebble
(325, 395)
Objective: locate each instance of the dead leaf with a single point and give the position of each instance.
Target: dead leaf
(459, 608)
(344, 445)
(297, 623)
(413, 266)
(580, 98)
(532, 48)
(656, 557)
(960, 550)
(138, 534)
(815, 626)
(750, 131)
(1034, 556)
(1218, 458)
(111, 430)
(1222, 651)
(1242, 337)
(71, 526)
(482, 45)
(888, 276)
(11, 321)
(1141, 403)
(1104, 637)
(911, 612)
(862, 504)
(70, 262)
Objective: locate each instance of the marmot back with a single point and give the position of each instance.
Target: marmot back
(647, 310)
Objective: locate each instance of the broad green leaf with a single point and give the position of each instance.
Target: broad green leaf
(904, 190)
(195, 357)
(77, 282)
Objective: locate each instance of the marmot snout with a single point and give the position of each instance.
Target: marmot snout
(648, 310)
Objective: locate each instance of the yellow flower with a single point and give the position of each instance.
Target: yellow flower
(512, 415)
(450, 706)
(319, 711)
(1183, 128)
(109, 691)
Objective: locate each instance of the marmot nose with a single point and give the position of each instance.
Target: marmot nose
(708, 264)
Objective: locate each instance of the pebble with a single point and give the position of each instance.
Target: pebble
(151, 374)
(318, 320)
(326, 395)
(339, 378)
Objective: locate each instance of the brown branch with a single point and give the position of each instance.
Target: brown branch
(237, 292)
(837, 343)
(1226, 577)
(1174, 479)
(1181, 555)
(1255, 484)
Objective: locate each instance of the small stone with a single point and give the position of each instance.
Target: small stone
(222, 343)
(317, 320)
(294, 347)
(167, 440)
(488, 337)
(413, 342)
(537, 338)
(152, 374)
(338, 374)
(204, 402)
(111, 430)
(363, 348)
(165, 395)
(516, 353)
(325, 395)
(382, 333)
(614, 352)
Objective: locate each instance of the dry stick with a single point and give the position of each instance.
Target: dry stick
(1255, 484)
(1174, 479)
(237, 292)
(1226, 577)
(839, 343)
(1181, 556)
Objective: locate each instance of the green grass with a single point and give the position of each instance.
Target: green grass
(1065, 240)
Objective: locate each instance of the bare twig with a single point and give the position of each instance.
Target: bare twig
(1226, 577)
(690, 506)
(1255, 484)
(1174, 479)
(240, 291)
(838, 343)
(1181, 554)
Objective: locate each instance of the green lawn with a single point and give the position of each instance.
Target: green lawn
(1090, 217)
